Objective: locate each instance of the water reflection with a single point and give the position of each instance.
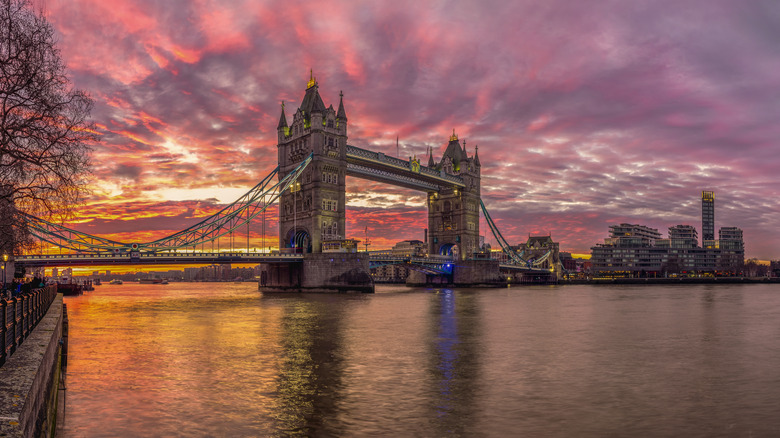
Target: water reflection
(311, 368)
(196, 360)
(455, 365)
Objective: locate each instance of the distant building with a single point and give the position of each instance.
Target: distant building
(774, 268)
(630, 249)
(409, 248)
(397, 273)
(637, 250)
(542, 252)
(732, 249)
(191, 274)
(567, 261)
(707, 216)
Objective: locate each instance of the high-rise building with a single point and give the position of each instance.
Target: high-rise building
(707, 216)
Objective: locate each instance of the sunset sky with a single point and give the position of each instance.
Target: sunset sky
(586, 113)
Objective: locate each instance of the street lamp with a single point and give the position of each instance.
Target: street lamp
(5, 260)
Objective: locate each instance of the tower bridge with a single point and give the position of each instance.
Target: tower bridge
(314, 159)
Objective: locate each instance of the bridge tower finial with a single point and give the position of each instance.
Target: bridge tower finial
(312, 80)
(454, 137)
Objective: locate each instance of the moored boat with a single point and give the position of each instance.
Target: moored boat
(69, 288)
(150, 281)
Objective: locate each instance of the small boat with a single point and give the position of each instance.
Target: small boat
(150, 281)
(96, 282)
(164, 281)
(66, 286)
(115, 281)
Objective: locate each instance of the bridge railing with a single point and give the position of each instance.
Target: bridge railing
(19, 315)
(178, 255)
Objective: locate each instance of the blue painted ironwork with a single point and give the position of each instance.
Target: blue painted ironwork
(513, 256)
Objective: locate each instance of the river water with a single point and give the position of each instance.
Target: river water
(222, 359)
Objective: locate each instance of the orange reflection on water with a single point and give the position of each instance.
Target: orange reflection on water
(183, 357)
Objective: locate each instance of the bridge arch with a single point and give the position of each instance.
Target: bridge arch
(449, 249)
(299, 240)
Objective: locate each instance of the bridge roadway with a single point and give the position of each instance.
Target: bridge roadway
(436, 264)
(153, 259)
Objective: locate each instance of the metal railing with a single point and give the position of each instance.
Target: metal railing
(19, 316)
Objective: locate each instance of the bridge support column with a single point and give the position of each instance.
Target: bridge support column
(321, 273)
(465, 273)
(476, 273)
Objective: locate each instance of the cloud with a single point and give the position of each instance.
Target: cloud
(585, 114)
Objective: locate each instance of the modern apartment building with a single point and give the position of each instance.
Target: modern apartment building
(637, 250)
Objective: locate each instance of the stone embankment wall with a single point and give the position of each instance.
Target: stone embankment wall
(29, 379)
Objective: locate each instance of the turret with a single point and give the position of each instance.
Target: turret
(282, 128)
(341, 115)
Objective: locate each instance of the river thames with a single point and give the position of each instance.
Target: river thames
(222, 359)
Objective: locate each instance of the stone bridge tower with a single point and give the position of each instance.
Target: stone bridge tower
(313, 209)
(453, 214)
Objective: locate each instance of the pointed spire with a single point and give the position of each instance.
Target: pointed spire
(431, 163)
(476, 155)
(341, 115)
(282, 119)
(464, 148)
(312, 81)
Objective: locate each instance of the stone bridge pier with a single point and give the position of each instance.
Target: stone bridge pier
(319, 273)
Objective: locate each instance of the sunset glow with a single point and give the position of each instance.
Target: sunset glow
(585, 116)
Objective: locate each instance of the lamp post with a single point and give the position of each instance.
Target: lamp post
(5, 260)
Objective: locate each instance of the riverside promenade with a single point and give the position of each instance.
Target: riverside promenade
(30, 376)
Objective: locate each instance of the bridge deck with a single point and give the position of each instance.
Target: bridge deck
(154, 259)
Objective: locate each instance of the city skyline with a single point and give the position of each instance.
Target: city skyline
(584, 116)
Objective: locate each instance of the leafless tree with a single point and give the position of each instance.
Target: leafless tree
(45, 132)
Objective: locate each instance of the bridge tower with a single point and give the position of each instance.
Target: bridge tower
(453, 214)
(313, 210)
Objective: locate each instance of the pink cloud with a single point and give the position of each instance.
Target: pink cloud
(583, 114)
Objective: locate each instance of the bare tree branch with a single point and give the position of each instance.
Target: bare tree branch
(45, 132)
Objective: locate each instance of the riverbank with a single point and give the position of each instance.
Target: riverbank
(679, 280)
(29, 379)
